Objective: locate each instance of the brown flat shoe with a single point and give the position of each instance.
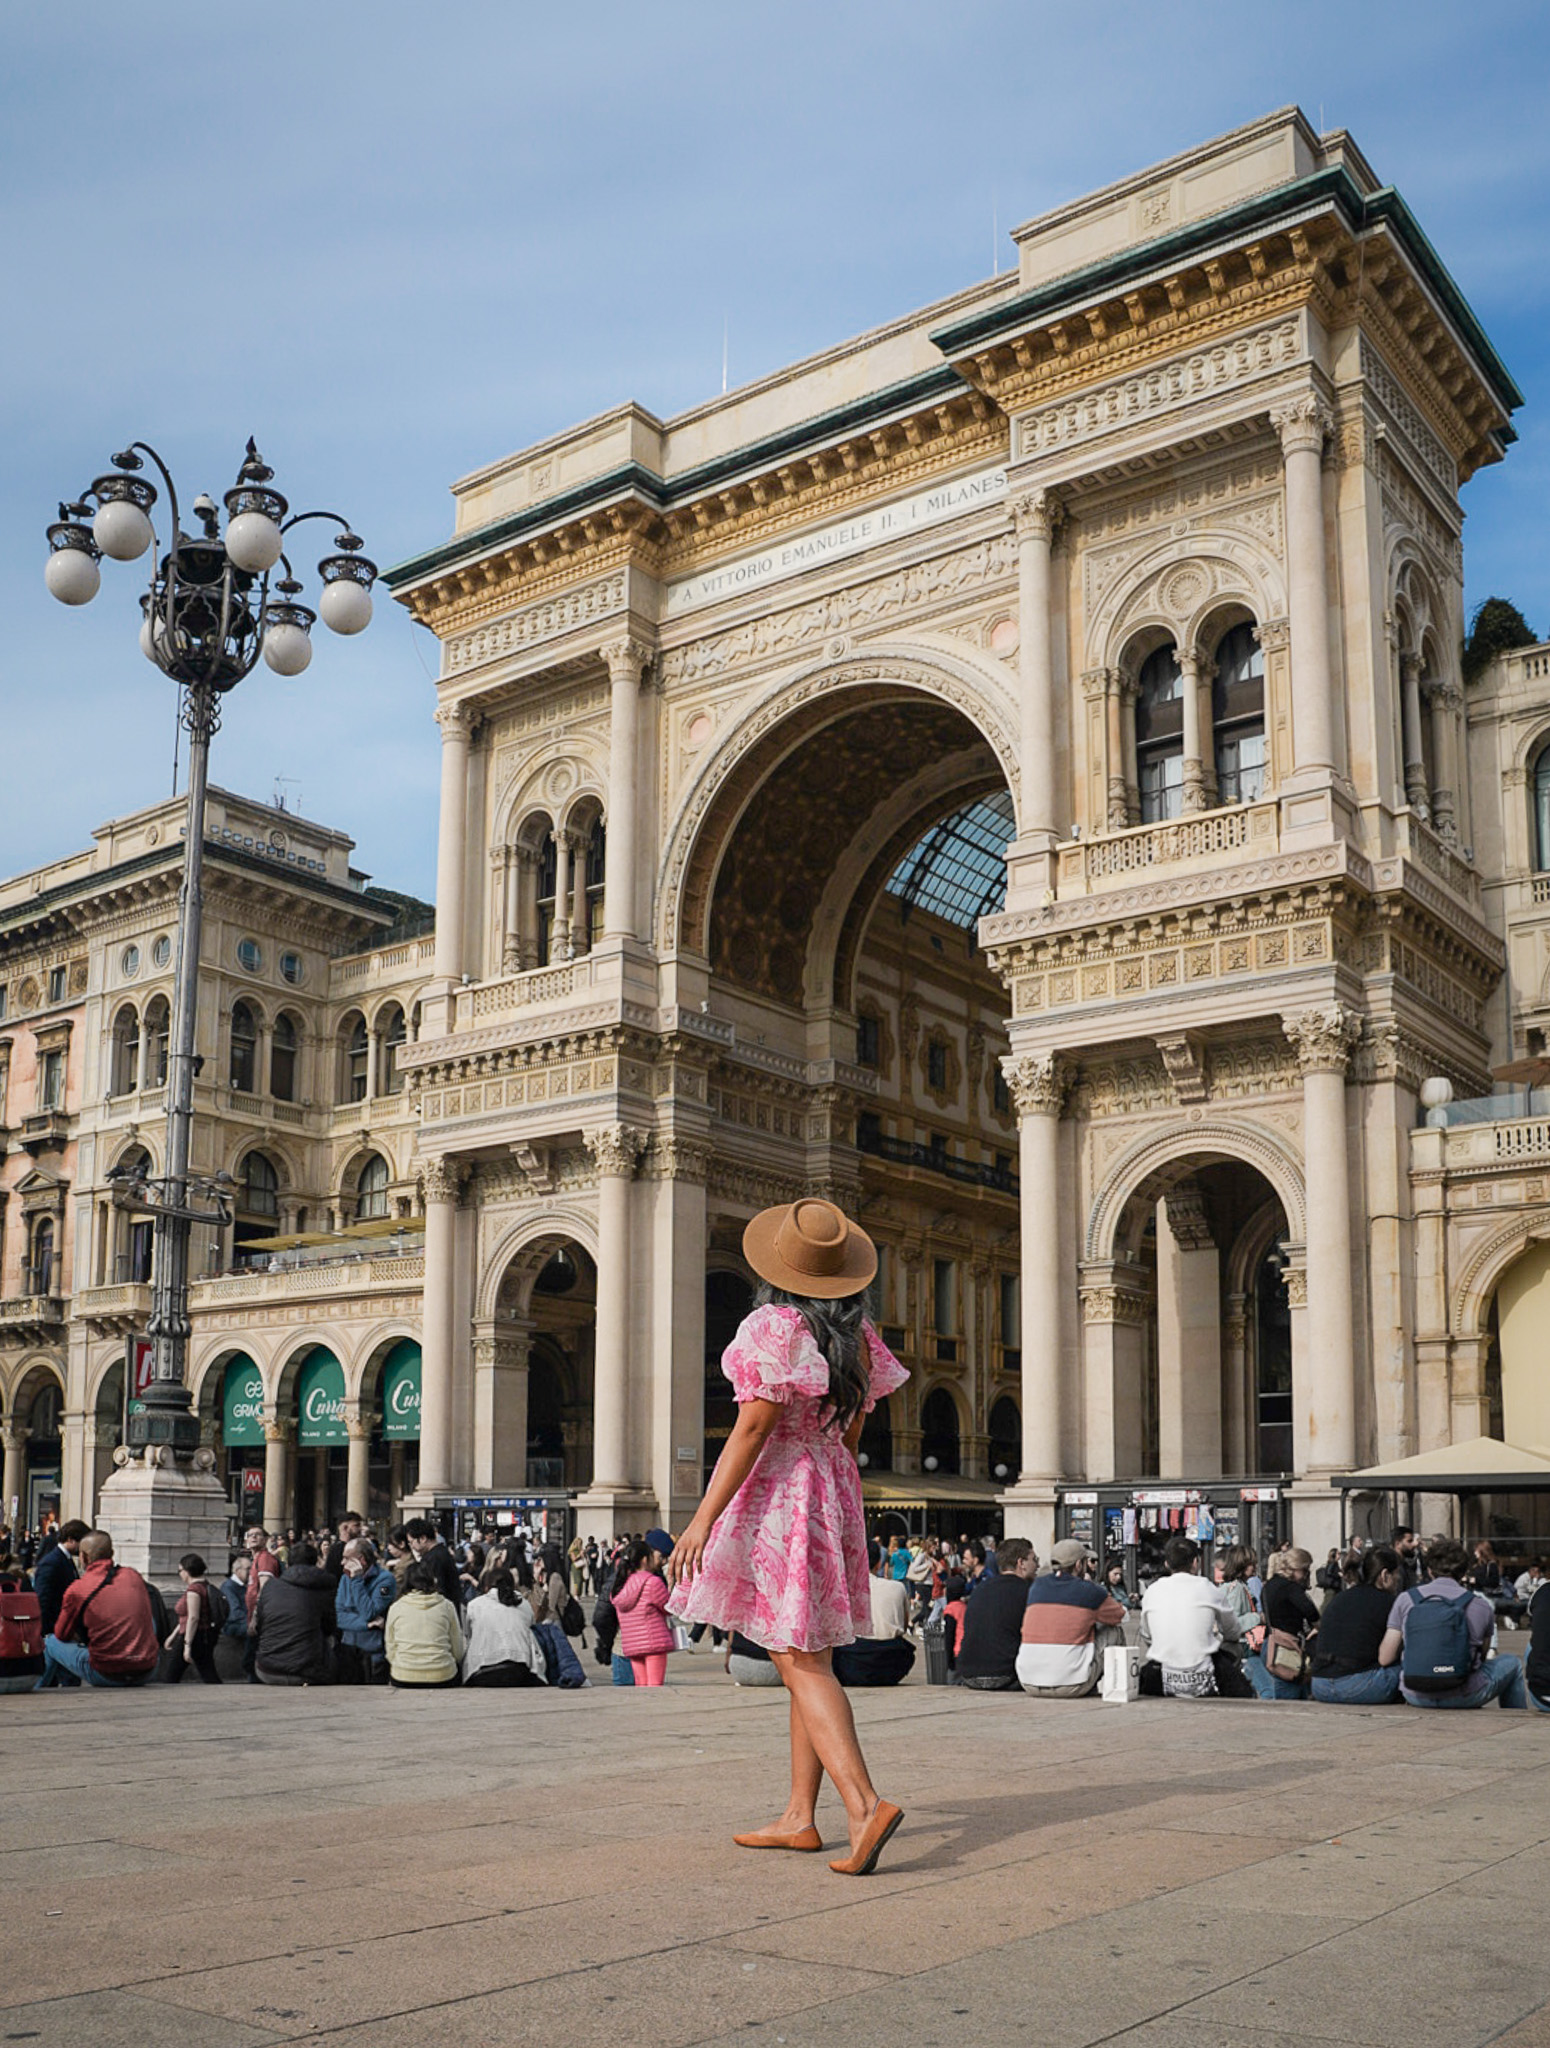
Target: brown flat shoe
(766, 1838)
(862, 1860)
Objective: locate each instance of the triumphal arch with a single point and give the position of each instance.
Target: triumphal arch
(1006, 773)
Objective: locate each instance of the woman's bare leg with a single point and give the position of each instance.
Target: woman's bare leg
(806, 1778)
(829, 1728)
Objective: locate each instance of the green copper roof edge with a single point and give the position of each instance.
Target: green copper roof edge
(1335, 184)
(940, 379)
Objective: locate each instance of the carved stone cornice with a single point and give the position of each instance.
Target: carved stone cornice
(1304, 424)
(535, 623)
(1274, 635)
(1108, 1304)
(1323, 1037)
(1038, 1082)
(617, 1149)
(1185, 1067)
(684, 1159)
(1187, 1218)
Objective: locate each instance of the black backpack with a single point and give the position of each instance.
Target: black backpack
(1438, 1655)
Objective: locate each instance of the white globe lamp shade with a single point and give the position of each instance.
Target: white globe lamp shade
(151, 631)
(1436, 1091)
(1001, 1471)
(346, 607)
(121, 530)
(862, 1460)
(254, 541)
(929, 1463)
(72, 576)
(287, 649)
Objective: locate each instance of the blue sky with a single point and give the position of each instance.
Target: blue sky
(397, 242)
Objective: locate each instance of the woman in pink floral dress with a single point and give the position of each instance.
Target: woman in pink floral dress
(778, 1548)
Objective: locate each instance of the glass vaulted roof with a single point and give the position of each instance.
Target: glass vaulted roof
(958, 870)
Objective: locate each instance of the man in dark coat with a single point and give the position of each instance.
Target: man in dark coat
(55, 1572)
(425, 1541)
(293, 1624)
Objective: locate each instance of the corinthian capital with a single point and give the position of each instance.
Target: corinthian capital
(1304, 424)
(1323, 1037)
(1038, 1082)
(457, 722)
(626, 659)
(617, 1149)
(441, 1180)
(1036, 514)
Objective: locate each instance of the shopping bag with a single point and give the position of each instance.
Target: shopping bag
(1121, 1681)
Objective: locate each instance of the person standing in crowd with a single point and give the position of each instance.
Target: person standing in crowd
(425, 1541)
(777, 1549)
(399, 1555)
(293, 1625)
(1068, 1622)
(351, 1524)
(199, 1624)
(645, 1634)
(110, 1606)
(1408, 1544)
(1185, 1626)
(1345, 1668)
(362, 1597)
(423, 1639)
(502, 1649)
(1415, 1646)
(993, 1621)
(264, 1566)
(55, 1571)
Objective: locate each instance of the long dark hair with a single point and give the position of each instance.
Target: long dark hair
(836, 1330)
(503, 1586)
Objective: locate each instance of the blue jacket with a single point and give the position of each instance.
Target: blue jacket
(236, 1609)
(361, 1601)
(52, 1577)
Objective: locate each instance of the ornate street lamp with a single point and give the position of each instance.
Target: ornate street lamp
(209, 613)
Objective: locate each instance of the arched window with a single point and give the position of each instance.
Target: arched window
(41, 1272)
(283, 1051)
(939, 1432)
(371, 1189)
(355, 1062)
(136, 1233)
(158, 1028)
(244, 1049)
(1160, 737)
(548, 883)
(1238, 717)
(393, 1034)
(1542, 811)
(125, 1075)
(260, 1186)
(595, 862)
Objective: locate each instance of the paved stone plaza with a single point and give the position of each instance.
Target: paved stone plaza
(220, 1870)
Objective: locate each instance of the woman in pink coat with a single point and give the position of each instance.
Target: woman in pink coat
(645, 1633)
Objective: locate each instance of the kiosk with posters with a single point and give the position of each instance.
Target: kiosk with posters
(545, 1516)
(1127, 1522)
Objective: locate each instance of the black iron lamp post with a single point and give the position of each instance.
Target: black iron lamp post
(210, 612)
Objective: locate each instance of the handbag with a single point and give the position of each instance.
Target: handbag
(572, 1619)
(1284, 1658)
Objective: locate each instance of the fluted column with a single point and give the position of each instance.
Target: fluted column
(1323, 1039)
(278, 1432)
(1034, 517)
(616, 1149)
(1416, 793)
(1038, 1083)
(357, 1484)
(457, 731)
(1189, 690)
(1303, 426)
(564, 845)
(1443, 700)
(442, 1182)
(13, 1488)
(626, 661)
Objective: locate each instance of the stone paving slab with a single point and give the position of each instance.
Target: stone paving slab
(201, 1867)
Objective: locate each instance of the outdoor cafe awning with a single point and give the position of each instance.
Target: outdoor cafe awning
(921, 1490)
(1481, 1465)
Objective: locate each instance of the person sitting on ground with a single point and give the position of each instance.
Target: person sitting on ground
(1345, 1668)
(1529, 1582)
(1288, 1609)
(1236, 1563)
(992, 1633)
(885, 1655)
(1442, 1654)
(292, 1631)
(423, 1638)
(1484, 1573)
(399, 1556)
(1067, 1625)
(1536, 1666)
(201, 1615)
(1114, 1585)
(365, 1592)
(1187, 1626)
(502, 1649)
(749, 1664)
(110, 1606)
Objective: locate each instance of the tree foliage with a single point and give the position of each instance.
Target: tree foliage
(1496, 627)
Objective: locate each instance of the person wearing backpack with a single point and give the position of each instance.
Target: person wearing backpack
(201, 1617)
(110, 1606)
(1438, 1636)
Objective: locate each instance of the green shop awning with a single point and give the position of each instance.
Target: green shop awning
(401, 1393)
(320, 1400)
(242, 1404)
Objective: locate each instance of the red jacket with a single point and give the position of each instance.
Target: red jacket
(643, 1625)
(120, 1634)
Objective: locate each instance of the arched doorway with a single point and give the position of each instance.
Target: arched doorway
(538, 1389)
(939, 1444)
(1006, 1440)
(728, 1298)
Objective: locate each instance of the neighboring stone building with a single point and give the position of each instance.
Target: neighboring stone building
(1140, 566)
(307, 990)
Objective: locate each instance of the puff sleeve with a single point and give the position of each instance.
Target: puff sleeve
(884, 1370)
(773, 1358)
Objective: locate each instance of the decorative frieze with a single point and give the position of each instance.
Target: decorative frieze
(568, 612)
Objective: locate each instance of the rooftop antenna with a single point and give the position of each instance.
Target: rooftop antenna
(725, 335)
(281, 784)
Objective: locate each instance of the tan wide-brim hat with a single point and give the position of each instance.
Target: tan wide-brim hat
(810, 1247)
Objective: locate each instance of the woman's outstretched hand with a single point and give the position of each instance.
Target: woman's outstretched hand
(688, 1554)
